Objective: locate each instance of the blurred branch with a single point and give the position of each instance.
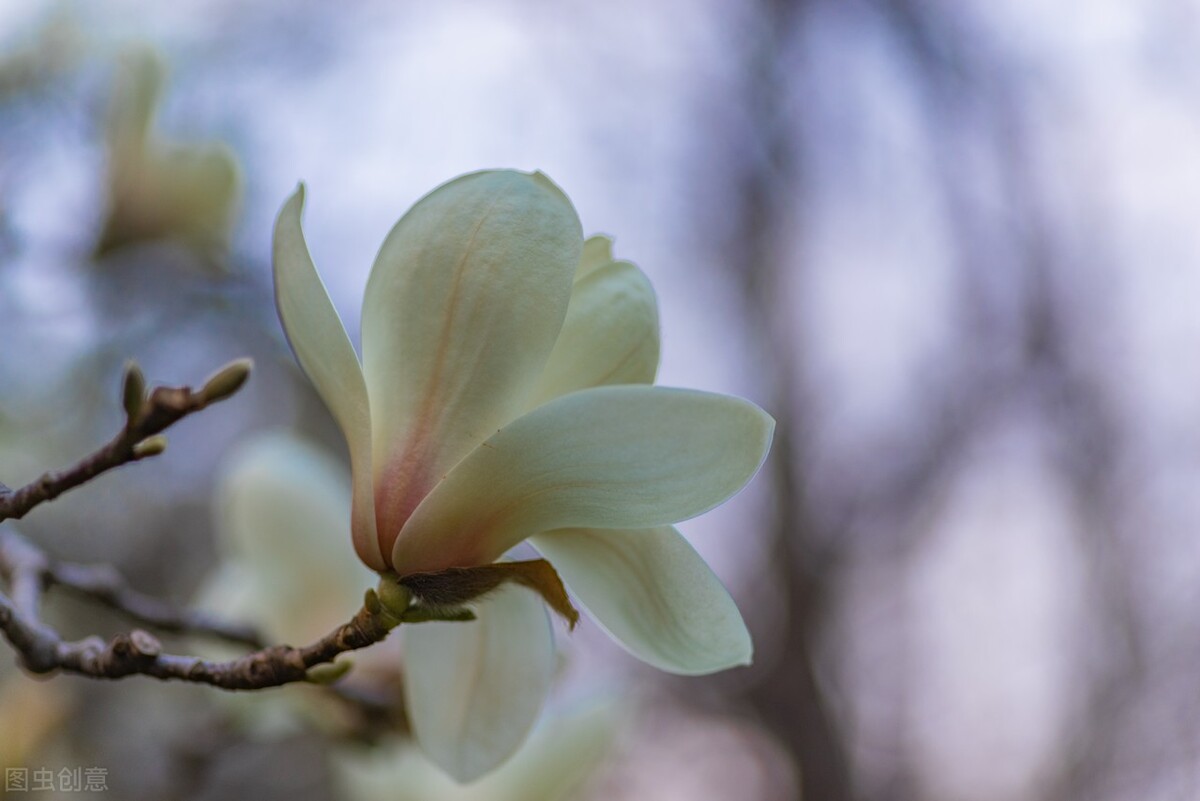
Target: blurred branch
(1052, 327)
(146, 417)
(789, 696)
(102, 583)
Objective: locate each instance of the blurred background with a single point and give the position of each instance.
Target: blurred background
(949, 245)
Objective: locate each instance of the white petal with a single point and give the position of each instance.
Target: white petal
(474, 690)
(319, 341)
(395, 772)
(610, 335)
(283, 513)
(653, 593)
(277, 493)
(611, 457)
(597, 252)
(560, 756)
(136, 95)
(464, 303)
(232, 591)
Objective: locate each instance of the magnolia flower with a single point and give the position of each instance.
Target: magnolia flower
(504, 396)
(159, 189)
(277, 499)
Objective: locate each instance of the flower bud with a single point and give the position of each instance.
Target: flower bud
(393, 596)
(150, 446)
(133, 390)
(226, 381)
(371, 602)
(328, 674)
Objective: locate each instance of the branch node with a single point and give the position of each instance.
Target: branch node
(145, 643)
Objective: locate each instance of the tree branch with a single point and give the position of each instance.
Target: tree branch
(140, 653)
(146, 416)
(43, 650)
(29, 572)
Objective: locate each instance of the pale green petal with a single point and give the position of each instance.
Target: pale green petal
(557, 759)
(462, 309)
(393, 772)
(653, 593)
(202, 183)
(474, 690)
(276, 494)
(597, 252)
(232, 592)
(610, 335)
(611, 457)
(137, 89)
(283, 513)
(324, 351)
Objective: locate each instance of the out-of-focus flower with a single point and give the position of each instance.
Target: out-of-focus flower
(504, 395)
(554, 763)
(280, 506)
(157, 189)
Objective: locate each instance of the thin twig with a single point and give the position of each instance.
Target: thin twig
(23, 567)
(146, 417)
(30, 572)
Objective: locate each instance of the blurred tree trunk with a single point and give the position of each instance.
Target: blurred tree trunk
(762, 175)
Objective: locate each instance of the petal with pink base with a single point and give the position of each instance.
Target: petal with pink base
(462, 309)
(323, 349)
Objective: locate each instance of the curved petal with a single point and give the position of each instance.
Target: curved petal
(323, 349)
(474, 690)
(282, 508)
(597, 252)
(561, 755)
(610, 335)
(611, 457)
(653, 594)
(464, 303)
(552, 765)
(136, 95)
(233, 591)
